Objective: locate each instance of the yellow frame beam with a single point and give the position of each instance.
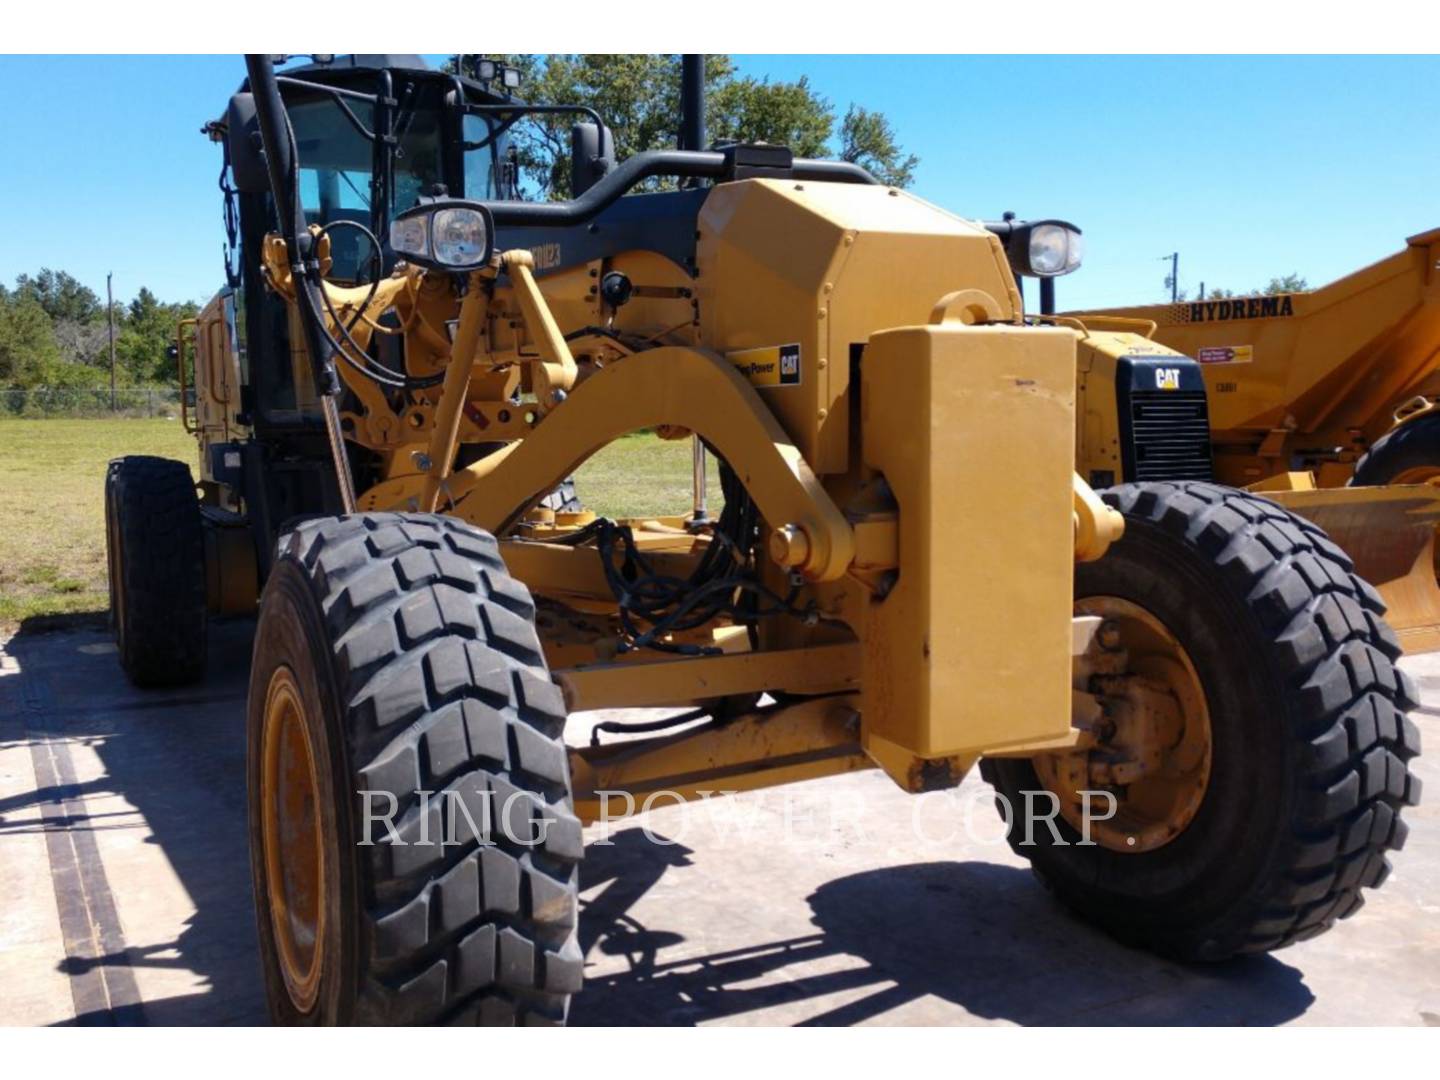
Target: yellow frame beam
(680, 387)
(819, 737)
(642, 684)
(576, 574)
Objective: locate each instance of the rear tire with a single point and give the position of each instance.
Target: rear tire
(1309, 741)
(565, 499)
(155, 548)
(417, 669)
(1412, 448)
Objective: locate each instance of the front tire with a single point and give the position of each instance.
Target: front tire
(397, 669)
(1307, 740)
(155, 550)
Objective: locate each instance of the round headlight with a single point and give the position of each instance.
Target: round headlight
(459, 237)
(1054, 250)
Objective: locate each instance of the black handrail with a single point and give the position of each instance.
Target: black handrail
(689, 164)
(277, 138)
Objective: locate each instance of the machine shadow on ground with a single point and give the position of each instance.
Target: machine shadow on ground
(178, 758)
(978, 935)
(974, 934)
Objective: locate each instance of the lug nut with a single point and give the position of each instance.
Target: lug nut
(1109, 635)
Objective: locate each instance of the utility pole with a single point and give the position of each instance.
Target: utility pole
(1174, 281)
(110, 317)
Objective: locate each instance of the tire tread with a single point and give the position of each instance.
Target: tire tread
(161, 561)
(1346, 707)
(438, 667)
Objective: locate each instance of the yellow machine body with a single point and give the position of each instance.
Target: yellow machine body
(957, 659)
(950, 534)
(206, 345)
(940, 588)
(825, 266)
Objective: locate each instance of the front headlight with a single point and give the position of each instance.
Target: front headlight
(410, 238)
(1055, 249)
(1040, 248)
(449, 234)
(459, 236)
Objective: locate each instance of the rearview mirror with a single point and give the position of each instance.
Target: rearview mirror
(592, 155)
(242, 138)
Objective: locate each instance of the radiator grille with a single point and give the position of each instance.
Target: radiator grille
(1170, 435)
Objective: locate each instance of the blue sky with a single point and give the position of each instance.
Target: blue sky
(1249, 167)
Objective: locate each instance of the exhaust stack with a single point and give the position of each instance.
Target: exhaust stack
(692, 102)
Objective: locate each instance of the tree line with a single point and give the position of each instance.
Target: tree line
(638, 95)
(53, 329)
(54, 333)
(1276, 286)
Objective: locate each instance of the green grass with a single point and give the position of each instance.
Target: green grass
(642, 474)
(52, 514)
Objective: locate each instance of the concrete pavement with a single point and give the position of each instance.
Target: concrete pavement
(126, 889)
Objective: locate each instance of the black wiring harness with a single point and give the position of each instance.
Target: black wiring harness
(723, 583)
(379, 374)
(365, 365)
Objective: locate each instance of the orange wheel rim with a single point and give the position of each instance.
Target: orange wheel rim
(292, 842)
(1159, 729)
(1419, 474)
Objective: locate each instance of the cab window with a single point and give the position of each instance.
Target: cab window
(483, 163)
(335, 175)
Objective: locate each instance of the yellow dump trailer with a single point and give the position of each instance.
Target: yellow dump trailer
(1312, 380)
(1322, 389)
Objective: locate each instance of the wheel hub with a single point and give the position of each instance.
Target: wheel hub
(292, 843)
(1148, 741)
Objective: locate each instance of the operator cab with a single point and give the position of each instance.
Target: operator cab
(373, 135)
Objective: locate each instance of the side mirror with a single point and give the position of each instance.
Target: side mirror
(242, 137)
(172, 353)
(592, 155)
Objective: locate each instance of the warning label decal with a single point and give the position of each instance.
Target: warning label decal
(770, 365)
(1225, 354)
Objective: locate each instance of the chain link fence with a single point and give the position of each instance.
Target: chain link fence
(141, 401)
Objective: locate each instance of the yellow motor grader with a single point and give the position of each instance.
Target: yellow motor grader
(1311, 392)
(1183, 688)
